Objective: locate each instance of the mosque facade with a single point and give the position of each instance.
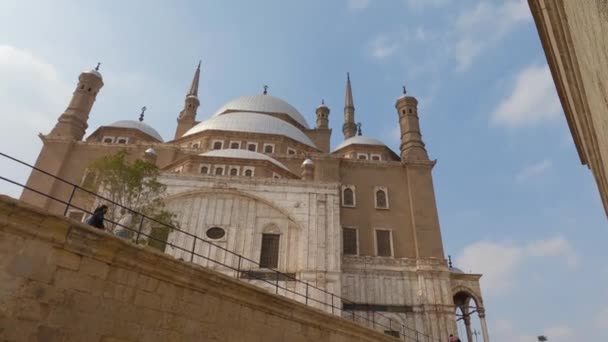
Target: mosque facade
(357, 220)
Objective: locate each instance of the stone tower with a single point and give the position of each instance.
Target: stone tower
(349, 128)
(72, 124)
(187, 117)
(322, 116)
(412, 148)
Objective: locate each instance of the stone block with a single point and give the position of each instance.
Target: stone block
(66, 279)
(47, 334)
(94, 268)
(35, 268)
(147, 299)
(147, 283)
(65, 259)
(82, 302)
(17, 330)
(31, 310)
(42, 292)
(123, 276)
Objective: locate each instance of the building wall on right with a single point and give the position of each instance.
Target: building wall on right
(575, 40)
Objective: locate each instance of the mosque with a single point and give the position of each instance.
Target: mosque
(357, 219)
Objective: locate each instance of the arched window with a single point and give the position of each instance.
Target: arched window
(234, 172)
(348, 197)
(249, 172)
(269, 255)
(204, 170)
(268, 148)
(217, 145)
(219, 171)
(195, 145)
(381, 199)
(235, 144)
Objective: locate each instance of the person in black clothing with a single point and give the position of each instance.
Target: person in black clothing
(96, 220)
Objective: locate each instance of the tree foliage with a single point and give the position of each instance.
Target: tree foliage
(132, 185)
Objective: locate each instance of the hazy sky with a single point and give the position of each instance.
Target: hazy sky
(514, 201)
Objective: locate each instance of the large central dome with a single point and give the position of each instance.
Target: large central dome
(266, 104)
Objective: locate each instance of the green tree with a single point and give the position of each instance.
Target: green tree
(133, 185)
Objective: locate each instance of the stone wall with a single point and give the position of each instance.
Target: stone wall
(63, 281)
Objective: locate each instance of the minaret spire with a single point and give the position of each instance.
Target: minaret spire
(197, 75)
(187, 117)
(348, 99)
(349, 128)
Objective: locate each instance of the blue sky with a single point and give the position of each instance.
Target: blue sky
(514, 201)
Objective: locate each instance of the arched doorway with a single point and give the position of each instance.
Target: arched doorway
(470, 317)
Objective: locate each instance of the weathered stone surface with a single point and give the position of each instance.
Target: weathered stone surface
(49, 292)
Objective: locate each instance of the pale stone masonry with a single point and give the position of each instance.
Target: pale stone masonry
(61, 280)
(575, 40)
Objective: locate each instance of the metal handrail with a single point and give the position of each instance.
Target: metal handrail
(404, 330)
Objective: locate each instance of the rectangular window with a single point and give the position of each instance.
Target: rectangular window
(349, 241)
(218, 144)
(269, 257)
(383, 243)
(362, 156)
(122, 140)
(252, 147)
(268, 148)
(108, 140)
(376, 157)
(235, 144)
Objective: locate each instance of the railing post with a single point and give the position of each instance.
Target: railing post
(306, 293)
(141, 223)
(238, 269)
(332, 303)
(277, 283)
(373, 320)
(193, 246)
(67, 206)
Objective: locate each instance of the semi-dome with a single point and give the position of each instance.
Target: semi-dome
(359, 140)
(143, 127)
(455, 270)
(262, 104)
(242, 154)
(252, 123)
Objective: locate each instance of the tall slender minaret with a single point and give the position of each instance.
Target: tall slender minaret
(412, 147)
(72, 124)
(187, 117)
(349, 128)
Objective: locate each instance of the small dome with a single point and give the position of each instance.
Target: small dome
(262, 104)
(252, 123)
(242, 154)
(93, 72)
(143, 127)
(308, 161)
(359, 140)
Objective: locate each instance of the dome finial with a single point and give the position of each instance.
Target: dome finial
(265, 90)
(141, 116)
(450, 261)
(404, 91)
(322, 101)
(97, 67)
(359, 128)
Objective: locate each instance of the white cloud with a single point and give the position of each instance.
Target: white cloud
(534, 170)
(554, 247)
(479, 27)
(383, 47)
(358, 4)
(532, 100)
(499, 262)
(32, 96)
